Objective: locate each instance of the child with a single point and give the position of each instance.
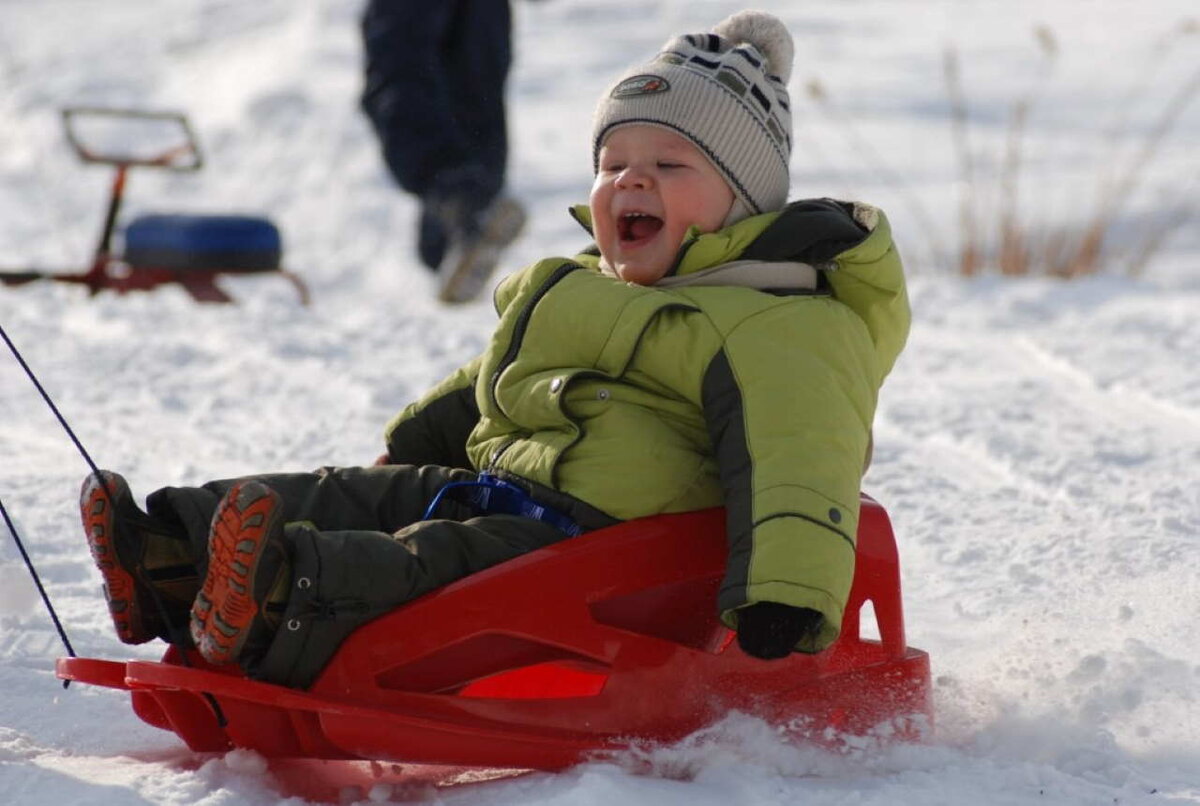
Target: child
(716, 347)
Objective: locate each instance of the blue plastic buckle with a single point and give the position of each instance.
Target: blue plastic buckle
(490, 495)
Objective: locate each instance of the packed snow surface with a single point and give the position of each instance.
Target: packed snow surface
(1036, 447)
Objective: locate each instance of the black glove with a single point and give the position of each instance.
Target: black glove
(769, 630)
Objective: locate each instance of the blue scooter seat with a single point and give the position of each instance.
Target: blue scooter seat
(188, 242)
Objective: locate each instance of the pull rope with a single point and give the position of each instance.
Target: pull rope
(37, 581)
(12, 528)
(87, 457)
(175, 632)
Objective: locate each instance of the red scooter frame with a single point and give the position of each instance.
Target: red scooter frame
(108, 270)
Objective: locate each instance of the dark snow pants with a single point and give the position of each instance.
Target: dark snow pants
(357, 541)
(434, 91)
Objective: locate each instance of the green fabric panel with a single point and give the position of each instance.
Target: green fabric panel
(665, 469)
(715, 248)
(807, 416)
(513, 390)
(808, 412)
(575, 373)
(629, 328)
(582, 213)
(516, 299)
(534, 456)
(657, 397)
(521, 283)
(840, 518)
(870, 279)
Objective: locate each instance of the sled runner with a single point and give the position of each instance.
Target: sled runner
(192, 250)
(569, 653)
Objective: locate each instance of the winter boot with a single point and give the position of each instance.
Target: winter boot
(432, 240)
(238, 609)
(149, 574)
(477, 241)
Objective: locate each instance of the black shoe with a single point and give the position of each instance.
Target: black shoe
(149, 575)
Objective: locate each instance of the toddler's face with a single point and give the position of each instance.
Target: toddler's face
(652, 186)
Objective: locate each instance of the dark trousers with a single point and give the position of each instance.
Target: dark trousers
(357, 541)
(434, 92)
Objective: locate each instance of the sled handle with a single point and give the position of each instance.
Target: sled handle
(185, 156)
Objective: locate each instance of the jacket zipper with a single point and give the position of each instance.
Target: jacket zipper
(522, 324)
(496, 454)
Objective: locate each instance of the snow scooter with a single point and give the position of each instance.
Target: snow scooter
(574, 652)
(192, 250)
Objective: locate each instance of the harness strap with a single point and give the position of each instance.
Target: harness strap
(491, 495)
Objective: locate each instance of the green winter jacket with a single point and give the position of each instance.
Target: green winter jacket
(696, 392)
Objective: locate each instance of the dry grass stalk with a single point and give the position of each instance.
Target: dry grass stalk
(817, 92)
(1060, 250)
(1087, 258)
(970, 252)
(1015, 252)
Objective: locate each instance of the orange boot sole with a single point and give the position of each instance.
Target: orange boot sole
(132, 622)
(225, 611)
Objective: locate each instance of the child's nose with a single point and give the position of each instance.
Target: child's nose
(633, 177)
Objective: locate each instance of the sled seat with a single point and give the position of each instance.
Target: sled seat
(569, 653)
(226, 243)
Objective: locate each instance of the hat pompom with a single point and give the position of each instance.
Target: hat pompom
(767, 33)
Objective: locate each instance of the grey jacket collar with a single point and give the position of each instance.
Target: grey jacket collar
(775, 275)
(763, 275)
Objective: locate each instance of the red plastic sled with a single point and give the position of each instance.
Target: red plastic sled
(563, 655)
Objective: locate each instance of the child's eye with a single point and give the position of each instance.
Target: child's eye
(668, 165)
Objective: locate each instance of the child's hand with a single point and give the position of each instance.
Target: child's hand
(769, 630)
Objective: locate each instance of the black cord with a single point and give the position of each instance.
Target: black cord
(62, 420)
(173, 630)
(37, 581)
(62, 633)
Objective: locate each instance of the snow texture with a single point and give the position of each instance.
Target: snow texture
(1036, 446)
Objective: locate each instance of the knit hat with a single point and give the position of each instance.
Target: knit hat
(726, 92)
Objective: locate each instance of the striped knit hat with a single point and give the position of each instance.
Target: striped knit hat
(726, 91)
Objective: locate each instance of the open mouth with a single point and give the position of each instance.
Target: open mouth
(632, 227)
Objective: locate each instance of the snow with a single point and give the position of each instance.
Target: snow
(1036, 446)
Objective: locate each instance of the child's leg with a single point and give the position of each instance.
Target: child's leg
(343, 579)
(153, 564)
(378, 499)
